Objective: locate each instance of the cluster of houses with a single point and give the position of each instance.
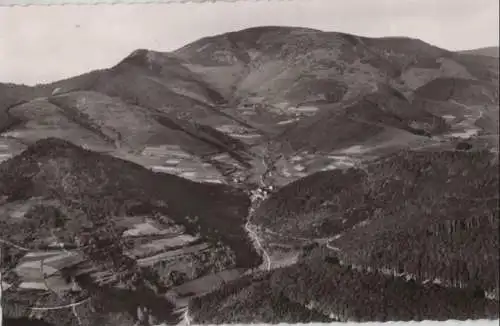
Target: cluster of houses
(261, 193)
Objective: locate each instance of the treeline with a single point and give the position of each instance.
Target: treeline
(353, 295)
(251, 299)
(460, 251)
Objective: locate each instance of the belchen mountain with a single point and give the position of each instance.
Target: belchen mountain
(273, 174)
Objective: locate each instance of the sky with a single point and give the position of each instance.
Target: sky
(40, 44)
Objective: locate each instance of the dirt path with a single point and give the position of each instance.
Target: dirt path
(257, 197)
(70, 305)
(258, 246)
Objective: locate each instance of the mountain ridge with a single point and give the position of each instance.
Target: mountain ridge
(490, 51)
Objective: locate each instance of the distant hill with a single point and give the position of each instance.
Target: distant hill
(492, 51)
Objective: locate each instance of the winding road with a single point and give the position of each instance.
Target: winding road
(70, 305)
(255, 201)
(258, 245)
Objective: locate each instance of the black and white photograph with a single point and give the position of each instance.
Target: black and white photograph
(249, 162)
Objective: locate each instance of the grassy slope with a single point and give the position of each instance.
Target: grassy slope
(356, 123)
